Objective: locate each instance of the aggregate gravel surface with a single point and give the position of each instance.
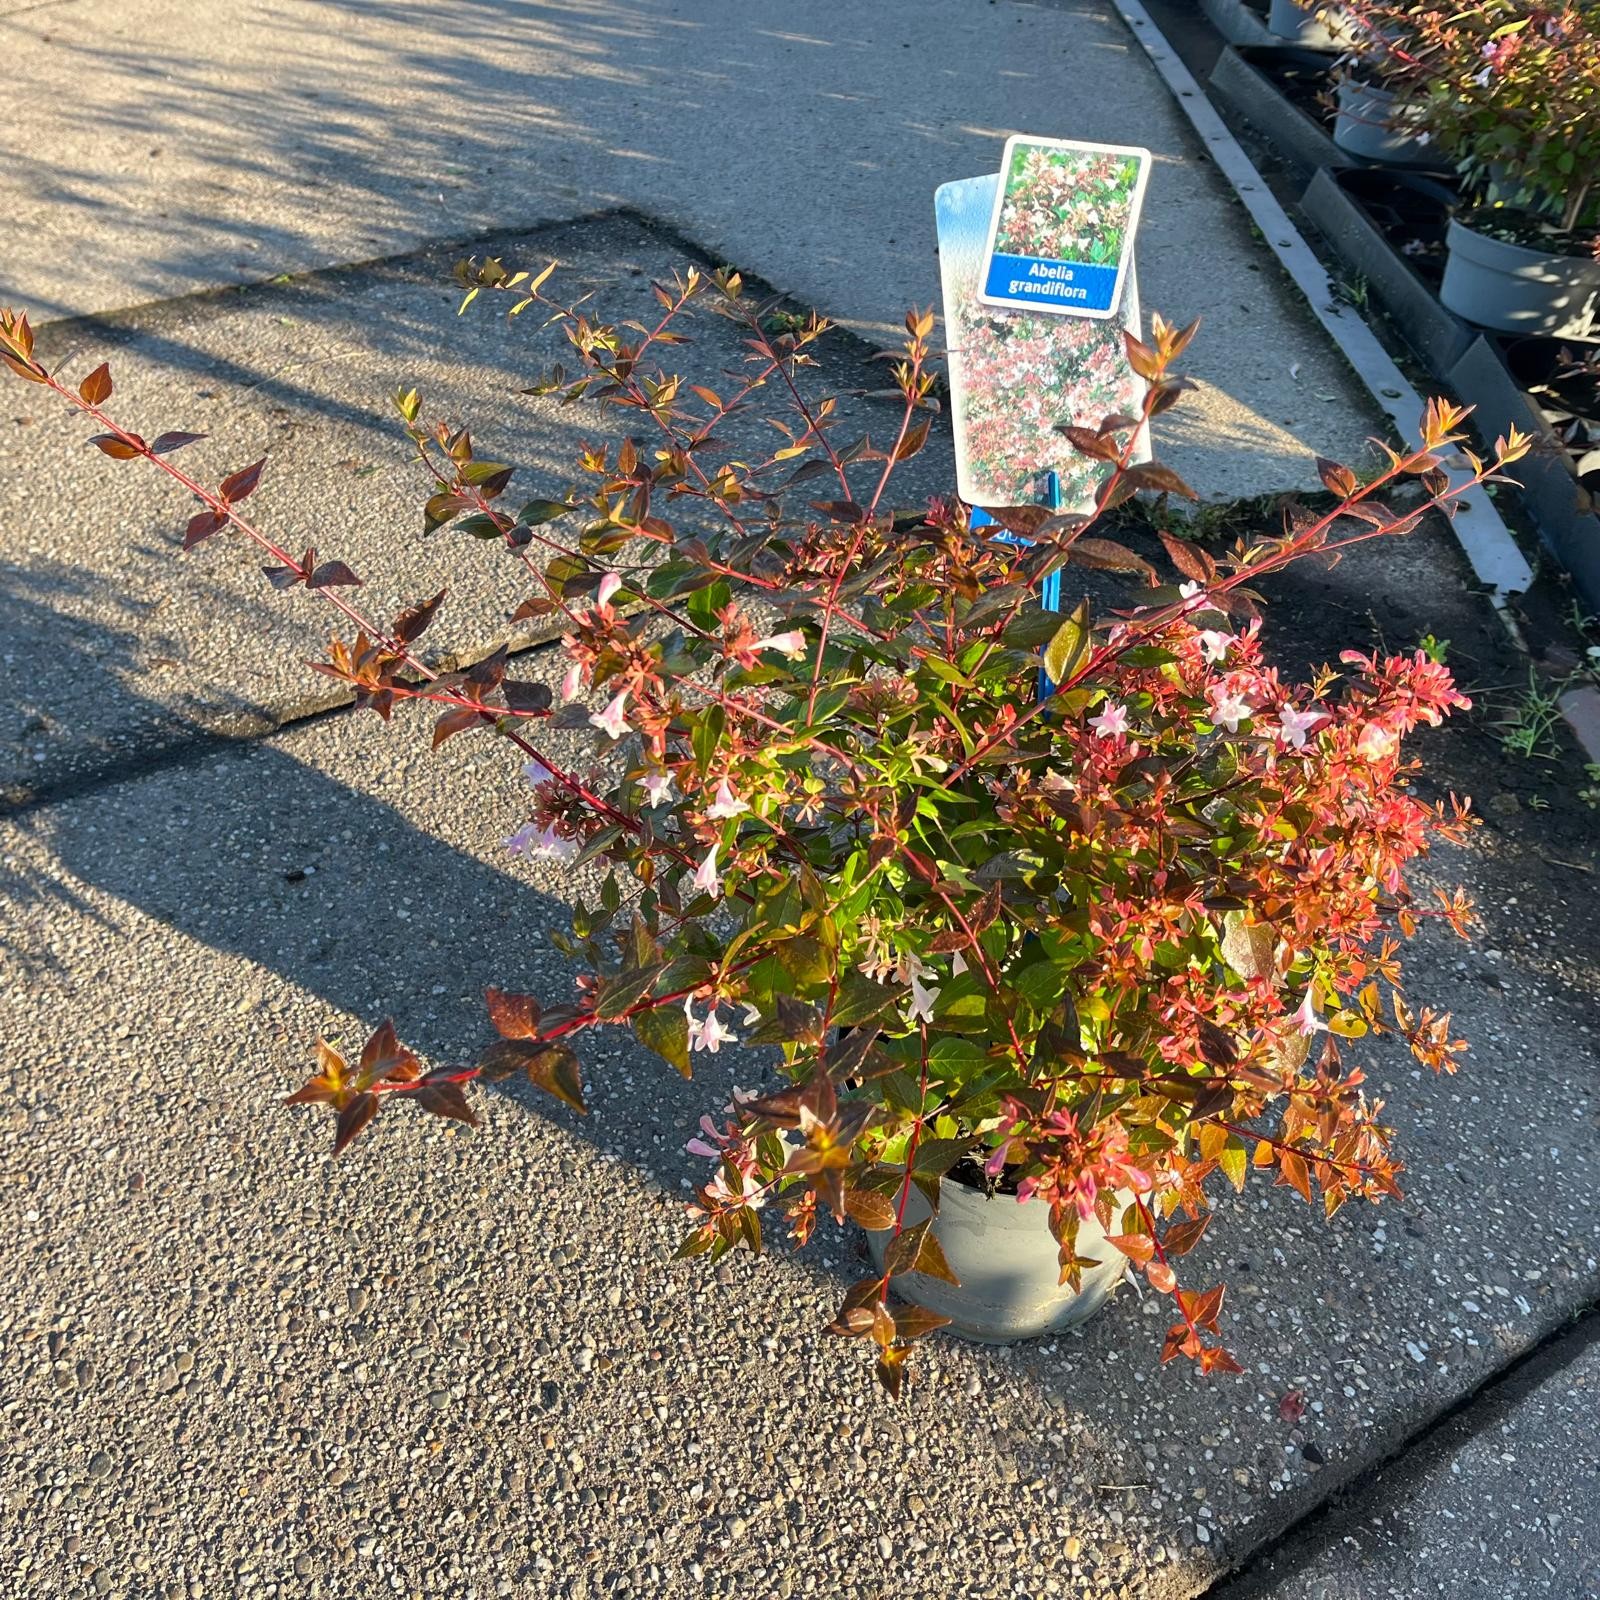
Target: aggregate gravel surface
(112, 639)
(464, 1364)
(156, 146)
(1507, 1510)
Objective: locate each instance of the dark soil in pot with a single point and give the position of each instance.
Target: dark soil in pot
(1302, 77)
(1411, 210)
(1529, 232)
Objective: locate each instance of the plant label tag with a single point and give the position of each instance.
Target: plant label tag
(1061, 232)
(1017, 376)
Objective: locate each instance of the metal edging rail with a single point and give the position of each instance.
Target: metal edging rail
(1479, 529)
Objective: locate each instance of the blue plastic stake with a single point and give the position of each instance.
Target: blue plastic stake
(1050, 589)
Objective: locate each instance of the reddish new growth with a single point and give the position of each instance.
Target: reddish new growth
(1107, 948)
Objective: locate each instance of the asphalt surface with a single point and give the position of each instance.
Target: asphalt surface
(154, 147)
(1500, 1503)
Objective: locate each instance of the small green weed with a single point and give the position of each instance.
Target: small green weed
(1529, 727)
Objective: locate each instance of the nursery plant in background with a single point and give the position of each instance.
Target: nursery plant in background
(1376, 118)
(1077, 960)
(1509, 95)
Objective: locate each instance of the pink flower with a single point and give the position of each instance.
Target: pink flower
(1194, 596)
(541, 844)
(612, 721)
(923, 999)
(1111, 721)
(1214, 644)
(710, 1146)
(1305, 1018)
(725, 803)
(657, 786)
(572, 682)
(1293, 726)
(1376, 742)
(536, 772)
(1228, 709)
(752, 1192)
(791, 644)
(708, 1033)
(705, 877)
(608, 587)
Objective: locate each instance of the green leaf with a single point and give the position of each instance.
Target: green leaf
(804, 960)
(935, 1157)
(626, 989)
(861, 1000)
(1040, 983)
(538, 512)
(963, 1005)
(706, 736)
(1069, 645)
(956, 1058)
(665, 1029)
(941, 668)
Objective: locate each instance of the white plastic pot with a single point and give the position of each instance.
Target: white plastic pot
(1513, 289)
(1370, 125)
(1298, 24)
(1006, 1258)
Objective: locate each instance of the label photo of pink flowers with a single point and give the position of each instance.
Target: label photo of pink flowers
(1062, 232)
(1017, 376)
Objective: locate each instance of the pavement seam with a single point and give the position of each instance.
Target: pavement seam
(1456, 1425)
(169, 755)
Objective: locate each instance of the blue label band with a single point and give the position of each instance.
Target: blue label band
(1063, 285)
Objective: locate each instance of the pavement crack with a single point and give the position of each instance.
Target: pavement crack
(1486, 1406)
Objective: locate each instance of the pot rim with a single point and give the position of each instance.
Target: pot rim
(1484, 248)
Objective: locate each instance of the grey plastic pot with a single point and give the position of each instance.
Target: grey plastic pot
(1006, 1259)
(1512, 289)
(1368, 126)
(1300, 25)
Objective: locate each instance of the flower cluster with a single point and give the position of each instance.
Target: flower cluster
(1067, 205)
(1102, 948)
(1507, 92)
(1023, 376)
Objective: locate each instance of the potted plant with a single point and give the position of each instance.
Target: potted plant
(1031, 974)
(1510, 96)
(1375, 119)
(1308, 22)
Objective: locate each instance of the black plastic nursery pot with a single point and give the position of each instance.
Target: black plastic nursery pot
(1551, 389)
(1520, 288)
(1280, 89)
(1390, 227)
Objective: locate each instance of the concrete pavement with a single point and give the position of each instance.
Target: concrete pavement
(239, 1320)
(112, 642)
(154, 147)
(464, 1366)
